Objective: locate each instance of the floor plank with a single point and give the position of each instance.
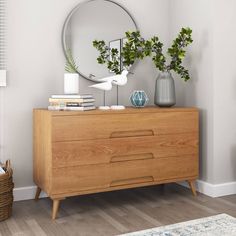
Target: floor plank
(113, 213)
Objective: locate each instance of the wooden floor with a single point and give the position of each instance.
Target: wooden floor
(114, 213)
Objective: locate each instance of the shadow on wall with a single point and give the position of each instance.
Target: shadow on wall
(203, 145)
(195, 62)
(195, 57)
(233, 160)
(233, 88)
(233, 148)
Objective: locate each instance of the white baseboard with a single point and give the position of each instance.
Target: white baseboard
(214, 190)
(26, 193)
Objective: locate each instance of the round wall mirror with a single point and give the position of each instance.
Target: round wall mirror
(95, 20)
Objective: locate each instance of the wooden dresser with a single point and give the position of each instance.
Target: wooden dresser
(78, 153)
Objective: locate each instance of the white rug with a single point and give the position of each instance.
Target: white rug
(219, 225)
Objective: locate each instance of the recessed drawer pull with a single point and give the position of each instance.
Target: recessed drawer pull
(134, 157)
(137, 180)
(134, 133)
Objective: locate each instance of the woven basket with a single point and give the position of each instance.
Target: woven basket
(6, 192)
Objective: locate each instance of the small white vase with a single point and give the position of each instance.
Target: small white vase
(71, 83)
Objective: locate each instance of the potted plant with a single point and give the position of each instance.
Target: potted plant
(138, 48)
(71, 77)
(165, 88)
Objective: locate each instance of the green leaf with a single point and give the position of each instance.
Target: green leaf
(177, 52)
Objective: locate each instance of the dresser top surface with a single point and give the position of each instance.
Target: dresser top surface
(128, 110)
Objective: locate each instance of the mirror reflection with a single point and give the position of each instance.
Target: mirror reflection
(97, 19)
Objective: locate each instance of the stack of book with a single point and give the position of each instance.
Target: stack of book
(76, 102)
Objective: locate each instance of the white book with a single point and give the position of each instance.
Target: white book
(72, 96)
(71, 100)
(58, 108)
(84, 104)
(80, 108)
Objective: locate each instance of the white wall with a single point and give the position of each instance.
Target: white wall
(212, 66)
(36, 67)
(225, 91)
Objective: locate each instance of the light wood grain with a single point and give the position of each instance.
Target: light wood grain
(192, 187)
(119, 187)
(77, 153)
(37, 194)
(74, 153)
(35, 227)
(126, 173)
(42, 161)
(177, 167)
(55, 208)
(128, 110)
(91, 177)
(128, 125)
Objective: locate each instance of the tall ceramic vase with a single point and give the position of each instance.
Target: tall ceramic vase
(71, 83)
(165, 90)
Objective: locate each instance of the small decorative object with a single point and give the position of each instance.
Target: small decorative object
(106, 85)
(165, 90)
(71, 78)
(6, 192)
(71, 83)
(139, 98)
(116, 44)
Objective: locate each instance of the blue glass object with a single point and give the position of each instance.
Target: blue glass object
(139, 98)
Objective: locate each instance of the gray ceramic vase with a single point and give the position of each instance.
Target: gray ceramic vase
(165, 90)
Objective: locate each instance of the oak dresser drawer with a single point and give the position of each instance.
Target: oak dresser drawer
(179, 167)
(85, 178)
(92, 177)
(72, 128)
(101, 151)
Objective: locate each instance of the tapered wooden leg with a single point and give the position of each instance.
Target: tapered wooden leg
(192, 187)
(38, 191)
(56, 203)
